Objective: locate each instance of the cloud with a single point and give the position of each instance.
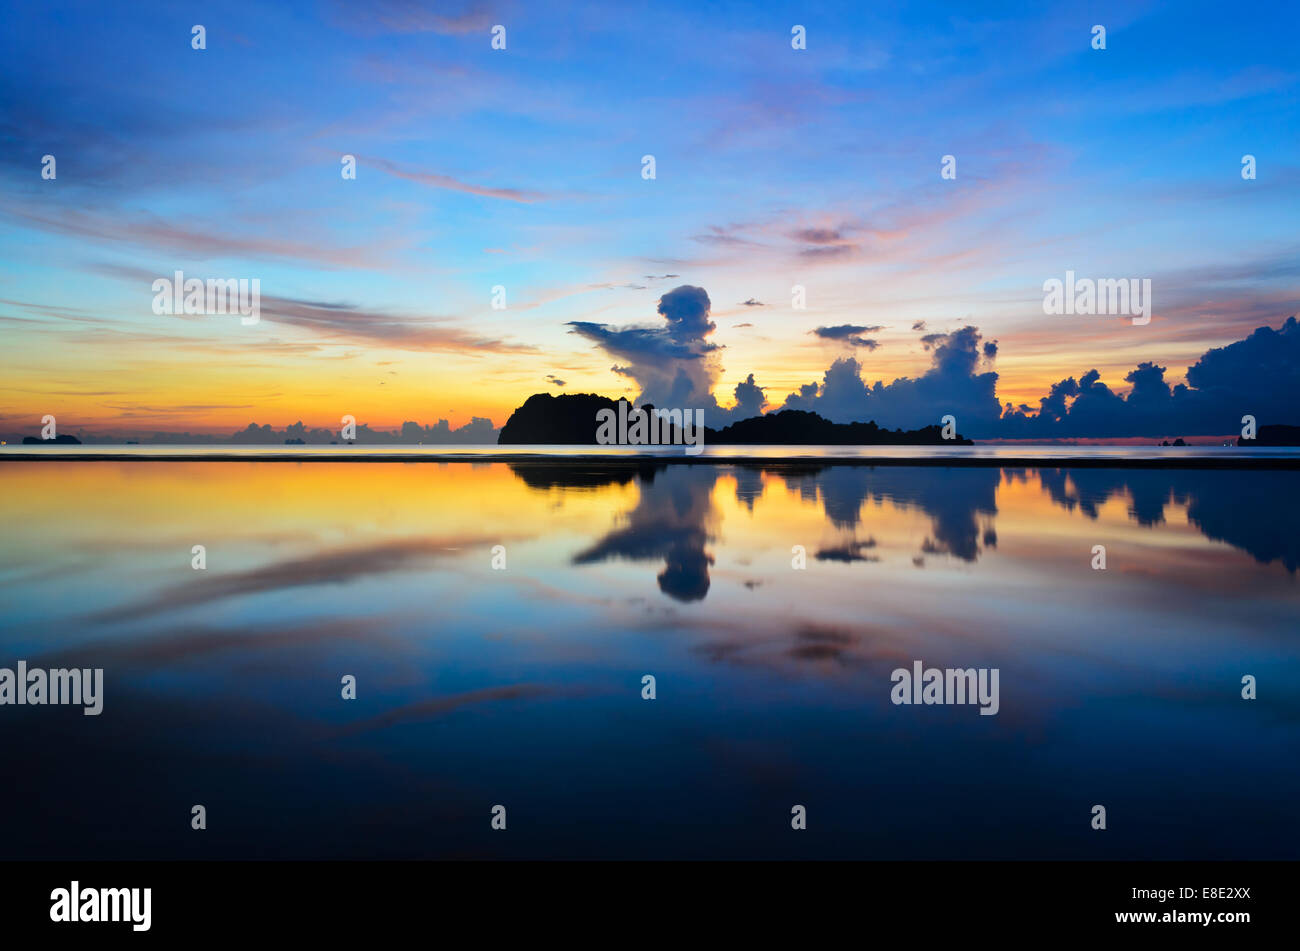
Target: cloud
(828, 253)
(1257, 376)
(686, 309)
(726, 236)
(339, 321)
(959, 381)
(674, 364)
(346, 321)
(750, 399)
(850, 334)
(554, 379)
(845, 331)
(413, 16)
(437, 180)
(752, 303)
(147, 230)
(819, 236)
(822, 243)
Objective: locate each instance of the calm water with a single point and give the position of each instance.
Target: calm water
(1019, 451)
(523, 686)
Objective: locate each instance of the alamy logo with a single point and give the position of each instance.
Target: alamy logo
(57, 686)
(949, 685)
(103, 904)
(651, 427)
(1125, 296)
(182, 295)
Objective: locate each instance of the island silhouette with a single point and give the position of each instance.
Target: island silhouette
(1273, 435)
(63, 439)
(571, 420)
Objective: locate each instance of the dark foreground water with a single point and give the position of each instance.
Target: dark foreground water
(522, 686)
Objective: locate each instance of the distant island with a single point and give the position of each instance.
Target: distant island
(797, 427)
(64, 440)
(478, 431)
(1273, 435)
(571, 420)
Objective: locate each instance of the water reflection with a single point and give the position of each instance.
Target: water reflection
(499, 618)
(1257, 513)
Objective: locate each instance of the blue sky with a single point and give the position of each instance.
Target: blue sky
(522, 168)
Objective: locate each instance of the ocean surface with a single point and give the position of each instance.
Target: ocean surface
(923, 454)
(499, 619)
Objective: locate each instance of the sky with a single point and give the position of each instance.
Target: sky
(517, 176)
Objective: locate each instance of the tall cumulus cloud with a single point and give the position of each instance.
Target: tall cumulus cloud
(676, 365)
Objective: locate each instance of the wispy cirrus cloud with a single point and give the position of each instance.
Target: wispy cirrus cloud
(413, 16)
(341, 322)
(151, 231)
(438, 180)
(348, 322)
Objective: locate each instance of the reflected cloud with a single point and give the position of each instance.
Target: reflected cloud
(674, 512)
(1089, 489)
(961, 502)
(849, 551)
(1261, 523)
(813, 646)
(330, 567)
(770, 671)
(814, 643)
(438, 706)
(198, 642)
(668, 522)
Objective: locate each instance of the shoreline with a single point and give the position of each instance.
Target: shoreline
(1273, 463)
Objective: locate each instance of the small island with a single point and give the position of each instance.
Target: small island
(571, 420)
(1273, 435)
(796, 427)
(64, 440)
